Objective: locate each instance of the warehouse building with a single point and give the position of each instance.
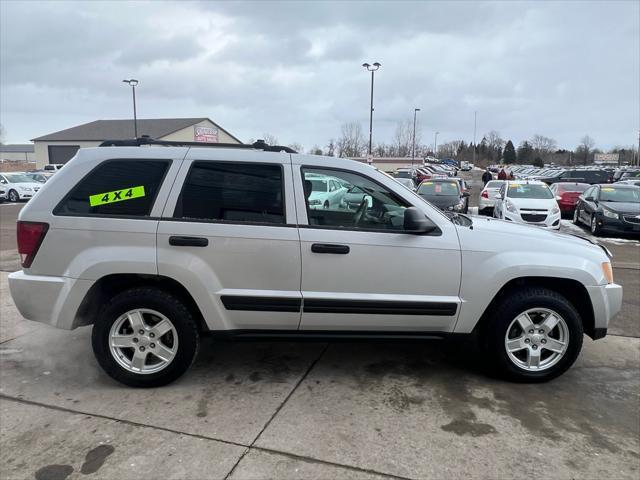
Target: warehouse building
(60, 147)
(16, 153)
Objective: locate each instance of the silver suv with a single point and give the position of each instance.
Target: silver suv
(155, 244)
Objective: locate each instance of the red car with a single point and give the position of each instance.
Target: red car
(567, 194)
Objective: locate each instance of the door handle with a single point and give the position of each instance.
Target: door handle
(188, 241)
(330, 248)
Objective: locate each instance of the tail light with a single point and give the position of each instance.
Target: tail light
(30, 237)
(484, 194)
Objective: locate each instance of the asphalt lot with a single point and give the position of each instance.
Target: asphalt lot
(310, 410)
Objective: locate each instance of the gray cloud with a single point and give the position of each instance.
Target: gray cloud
(561, 69)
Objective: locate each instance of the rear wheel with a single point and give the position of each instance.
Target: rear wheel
(535, 335)
(145, 337)
(326, 204)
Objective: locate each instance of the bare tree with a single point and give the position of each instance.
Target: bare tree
(542, 144)
(295, 146)
(403, 138)
(494, 141)
(584, 148)
(351, 142)
(270, 139)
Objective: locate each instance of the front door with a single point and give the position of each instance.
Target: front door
(359, 270)
(228, 234)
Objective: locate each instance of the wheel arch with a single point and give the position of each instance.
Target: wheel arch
(574, 291)
(110, 285)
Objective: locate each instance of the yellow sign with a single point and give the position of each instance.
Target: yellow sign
(116, 196)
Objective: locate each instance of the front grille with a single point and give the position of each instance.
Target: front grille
(632, 219)
(534, 217)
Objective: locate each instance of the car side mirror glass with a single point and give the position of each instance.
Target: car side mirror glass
(416, 222)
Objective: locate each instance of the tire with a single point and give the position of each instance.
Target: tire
(576, 216)
(595, 228)
(184, 338)
(326, 204)
(13, 196)
(501, 325)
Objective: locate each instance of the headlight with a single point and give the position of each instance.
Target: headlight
(315, 202)
(26, 189)
(555, 210)
(511, 207)
(609, 213)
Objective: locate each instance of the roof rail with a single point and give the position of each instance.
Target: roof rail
(145, 140)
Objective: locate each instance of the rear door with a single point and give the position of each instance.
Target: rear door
(360, 270)
(228, 234)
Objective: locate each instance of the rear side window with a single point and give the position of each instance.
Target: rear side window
(232, 192)
(116, 187)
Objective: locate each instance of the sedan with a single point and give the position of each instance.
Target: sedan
(18, 186)
(609, 208)
(444, 194)
(567, 195)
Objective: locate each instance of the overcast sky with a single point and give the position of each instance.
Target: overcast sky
(293, 69)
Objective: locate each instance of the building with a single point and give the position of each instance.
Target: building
(60, 147)
(16, 153)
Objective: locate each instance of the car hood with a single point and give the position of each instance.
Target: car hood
(533, 203)
(28, 185)
(622, 207)
(515, 232)
(441, 201)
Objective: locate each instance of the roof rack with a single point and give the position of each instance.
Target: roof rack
(146, 140)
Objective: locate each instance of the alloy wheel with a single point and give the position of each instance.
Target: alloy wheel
(143, 341)
(536, 339)
(13, 196)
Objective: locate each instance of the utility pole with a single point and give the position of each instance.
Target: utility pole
(413, 148)
(435, 145)
(475, 124)
(372, 69)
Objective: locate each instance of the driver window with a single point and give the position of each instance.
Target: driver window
(359, 202)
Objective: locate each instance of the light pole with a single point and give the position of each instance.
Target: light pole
(435, 145)
(372, 69)
(133, 82)
(475, 124)
(413, 147)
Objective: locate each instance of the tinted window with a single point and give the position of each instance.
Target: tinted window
(439, 188)
(116, 187)
(361, 203)
(233, 192)
(613, 194)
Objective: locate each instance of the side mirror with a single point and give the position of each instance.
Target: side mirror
(369, 200)
(416, 222)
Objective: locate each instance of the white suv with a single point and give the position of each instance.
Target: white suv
(155, 245)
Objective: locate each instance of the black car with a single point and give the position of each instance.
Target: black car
(444, 193)
(581, 176)
(609, 208)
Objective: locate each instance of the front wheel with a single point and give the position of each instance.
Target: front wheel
(13, 196)
(535, 335)
(145, 337)
(595, 228)
(576, 216)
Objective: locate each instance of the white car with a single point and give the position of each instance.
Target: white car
(326, 192)
(158, 246)
(53, 167)
(3, 194)
(18, 186)
(487, 198)
(531, 202)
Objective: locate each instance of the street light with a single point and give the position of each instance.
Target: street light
(133, 82)
(413, 148)
(435, 144)
(372, 69)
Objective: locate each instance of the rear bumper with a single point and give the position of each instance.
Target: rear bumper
(50, 300)
(606, 301)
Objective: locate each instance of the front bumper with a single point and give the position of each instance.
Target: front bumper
(606, 301)
(50, 300)
(551, 221)
(617, 225)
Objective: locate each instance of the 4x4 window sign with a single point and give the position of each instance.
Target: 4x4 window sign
(116, 196)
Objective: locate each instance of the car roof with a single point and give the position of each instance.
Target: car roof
(525, 182)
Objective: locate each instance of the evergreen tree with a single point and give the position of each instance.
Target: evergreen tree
(525, 152)
(509, 155)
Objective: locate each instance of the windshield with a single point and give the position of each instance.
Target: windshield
(525, 190)
(612, 194)
(319, 185)
(495, 184)
(18, 178)
(439, 189)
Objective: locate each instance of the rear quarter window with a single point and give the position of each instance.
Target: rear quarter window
(116, 187)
